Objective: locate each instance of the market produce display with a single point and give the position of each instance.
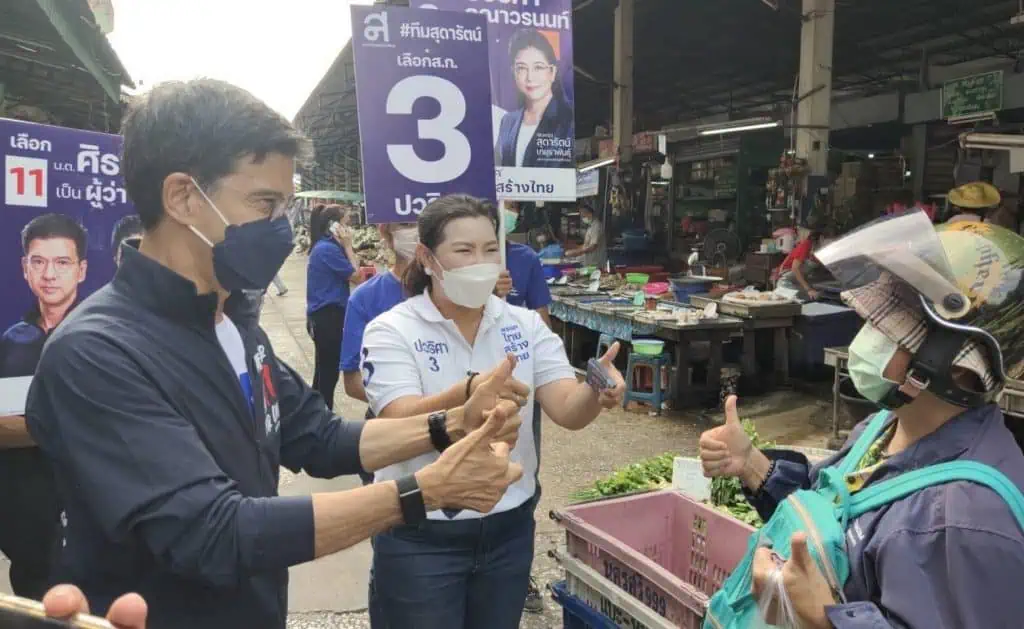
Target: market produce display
(368, 246)
(656, 473)
(647, 475)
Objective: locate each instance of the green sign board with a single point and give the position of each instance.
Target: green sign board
(972, 95)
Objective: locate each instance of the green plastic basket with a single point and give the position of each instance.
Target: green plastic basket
(637, 278)
(648, 347)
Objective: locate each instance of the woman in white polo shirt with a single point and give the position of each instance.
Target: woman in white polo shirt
(465, 570)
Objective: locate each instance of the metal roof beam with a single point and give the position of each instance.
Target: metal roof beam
(56, 12)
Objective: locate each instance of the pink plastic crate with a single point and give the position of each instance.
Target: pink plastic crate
(669, 551)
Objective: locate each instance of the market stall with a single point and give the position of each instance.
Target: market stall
(766, 318)
(581, 314)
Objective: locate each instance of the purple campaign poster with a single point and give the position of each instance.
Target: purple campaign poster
(532, 92)
(63, 189)
(423, 90)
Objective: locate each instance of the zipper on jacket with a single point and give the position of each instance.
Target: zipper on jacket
(814, 536)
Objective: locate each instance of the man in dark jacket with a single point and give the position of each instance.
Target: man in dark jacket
(167, 415)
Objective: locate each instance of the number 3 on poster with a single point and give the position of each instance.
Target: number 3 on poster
(457, 153)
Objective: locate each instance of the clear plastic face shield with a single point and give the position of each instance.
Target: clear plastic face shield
(907, 247)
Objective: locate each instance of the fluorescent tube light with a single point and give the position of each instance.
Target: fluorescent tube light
(737, 129)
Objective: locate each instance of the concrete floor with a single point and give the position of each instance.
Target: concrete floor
(331, 592)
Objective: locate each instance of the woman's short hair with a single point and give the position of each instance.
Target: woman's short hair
(431, 225)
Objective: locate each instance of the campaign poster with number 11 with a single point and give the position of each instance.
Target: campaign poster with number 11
(424, 101)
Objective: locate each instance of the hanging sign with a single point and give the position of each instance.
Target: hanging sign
(422, 97)
(532, 91)
(61, 200)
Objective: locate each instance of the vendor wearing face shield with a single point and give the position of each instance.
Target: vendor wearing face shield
(943, 332)
(425, 353)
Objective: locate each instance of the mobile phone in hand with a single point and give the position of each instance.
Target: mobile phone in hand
(598, 377)
(22, 613)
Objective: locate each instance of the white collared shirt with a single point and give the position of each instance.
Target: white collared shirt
(412, 350)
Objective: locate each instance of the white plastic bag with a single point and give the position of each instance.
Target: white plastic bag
(774, 604)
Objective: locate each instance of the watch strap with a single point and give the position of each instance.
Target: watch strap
(469, 383)
(437, 424)
(410, 499)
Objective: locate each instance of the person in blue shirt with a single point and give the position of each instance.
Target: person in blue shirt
(522, 283)
(374, 297)
(331, 267)
(550, 248)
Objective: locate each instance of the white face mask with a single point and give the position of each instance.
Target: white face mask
(404, 242)
(470, 286)
(870, 353)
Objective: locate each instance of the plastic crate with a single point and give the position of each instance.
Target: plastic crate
(576, 614)
(665, 549)
(613, 602)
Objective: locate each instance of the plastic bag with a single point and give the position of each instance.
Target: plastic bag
(773, 603)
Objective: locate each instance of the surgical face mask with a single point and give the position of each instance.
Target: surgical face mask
(542, 240)
(251, 254)
(870, 353)
(470, 286)
(404, 242)
(511, 220)
(587, 221)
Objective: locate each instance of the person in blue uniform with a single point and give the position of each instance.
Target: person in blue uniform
(522, 283)
(331, 267)
(54, 265)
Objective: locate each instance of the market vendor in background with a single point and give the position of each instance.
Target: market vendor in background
(593, 249)
(331, 267)
(522, 281)
(974, 201)
(548, 246)
(801, 269)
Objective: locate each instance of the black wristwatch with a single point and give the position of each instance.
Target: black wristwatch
(410, 498)
(437, 424)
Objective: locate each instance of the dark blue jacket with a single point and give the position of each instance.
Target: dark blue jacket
(557, 123)
(168, 476)
(941, 557)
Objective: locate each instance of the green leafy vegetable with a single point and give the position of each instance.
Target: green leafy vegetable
(656, 473)
(647, 475)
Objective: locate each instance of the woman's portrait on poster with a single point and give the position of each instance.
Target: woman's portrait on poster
(539, 133)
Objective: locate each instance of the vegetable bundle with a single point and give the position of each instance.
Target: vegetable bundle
(656, 473)
(647, 475)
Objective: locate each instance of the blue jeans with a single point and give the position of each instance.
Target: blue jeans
(462, 574)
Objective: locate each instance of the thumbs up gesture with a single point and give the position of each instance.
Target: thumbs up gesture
(474, 472)
(805, 586)
(724, 450)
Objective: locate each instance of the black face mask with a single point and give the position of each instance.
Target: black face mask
(251, 254)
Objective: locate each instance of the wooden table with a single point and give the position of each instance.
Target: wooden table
(715, 331)
(776, 319)
(621, 324)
